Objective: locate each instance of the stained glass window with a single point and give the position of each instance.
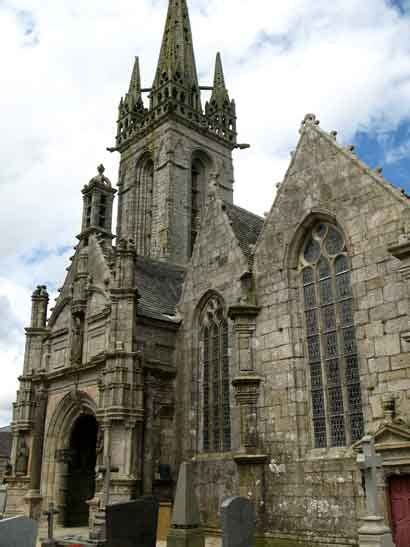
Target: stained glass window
(336, 400)
(216, 419)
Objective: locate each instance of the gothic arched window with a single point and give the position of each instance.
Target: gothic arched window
(214, 361)
(336, 401)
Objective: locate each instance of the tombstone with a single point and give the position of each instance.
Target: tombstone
(185, 524)
(132, 523)
(18, 532)
(3, 500)
(238, 522)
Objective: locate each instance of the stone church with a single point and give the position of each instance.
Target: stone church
(262, 350)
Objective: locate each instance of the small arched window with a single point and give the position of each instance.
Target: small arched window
(215, 377)
(336, 400)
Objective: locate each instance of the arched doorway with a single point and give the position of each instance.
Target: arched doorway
(81, 470)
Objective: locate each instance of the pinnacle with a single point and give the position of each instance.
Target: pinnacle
(134, 93)
(135, 83)
(219, 79)
(220, 93)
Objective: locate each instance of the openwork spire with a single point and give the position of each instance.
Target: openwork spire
(177, 60)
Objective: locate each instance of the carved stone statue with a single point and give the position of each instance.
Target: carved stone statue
(22, 458)
(100, 448)
(77, 340)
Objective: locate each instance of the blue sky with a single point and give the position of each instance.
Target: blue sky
(66, 63)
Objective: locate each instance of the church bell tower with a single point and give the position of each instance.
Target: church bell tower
(169, 146)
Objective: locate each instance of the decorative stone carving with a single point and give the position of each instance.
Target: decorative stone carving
(22, 457)
(77, 340)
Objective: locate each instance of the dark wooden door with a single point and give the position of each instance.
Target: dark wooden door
(81, 471)
(400, 510)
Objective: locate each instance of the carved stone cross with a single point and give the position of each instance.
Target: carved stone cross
(369, 462)
(106, 471)
(50, 520)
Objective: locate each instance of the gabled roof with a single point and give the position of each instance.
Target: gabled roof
(246, 226)
(159, 285)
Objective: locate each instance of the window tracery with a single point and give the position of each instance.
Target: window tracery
(330, 338)
(214, 361)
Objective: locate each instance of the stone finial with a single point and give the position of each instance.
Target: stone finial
(379, 170)
(351, 148)
(310, 119)
(389, 407)
(333, 134)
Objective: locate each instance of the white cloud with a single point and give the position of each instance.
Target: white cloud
(65, 65)
(394, 155)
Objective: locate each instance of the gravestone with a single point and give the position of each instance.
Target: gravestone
(133, 523)
(18, 532)
(185, 524)
(238, 522)
(3, 500)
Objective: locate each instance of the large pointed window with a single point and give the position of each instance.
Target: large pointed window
(336, 401)
(214, 374)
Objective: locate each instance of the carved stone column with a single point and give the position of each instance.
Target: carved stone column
(247, 382)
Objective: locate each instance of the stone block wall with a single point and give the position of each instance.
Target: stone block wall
(317, 497)
(171, 148)
(327, 183)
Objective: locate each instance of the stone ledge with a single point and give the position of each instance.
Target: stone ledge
(250, 459)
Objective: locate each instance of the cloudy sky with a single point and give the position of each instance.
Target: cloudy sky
(66, 63)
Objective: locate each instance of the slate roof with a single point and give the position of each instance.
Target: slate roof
(160, 287)
(5, 442)
(246, 226)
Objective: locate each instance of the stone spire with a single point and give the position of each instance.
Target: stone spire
(134, 94)
(176, 71)
(221, 111)
(175, 92)
(220, 93)
(131, 108)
